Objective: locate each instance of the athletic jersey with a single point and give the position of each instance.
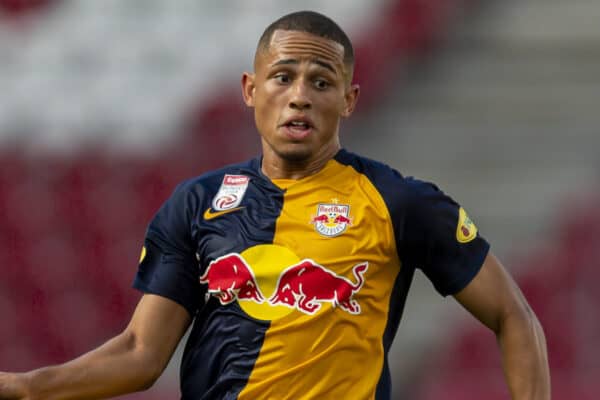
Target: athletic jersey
(297, 286)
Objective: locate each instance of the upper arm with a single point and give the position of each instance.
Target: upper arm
(438, 237)
(492, 295)
(157, 326)
(169, 266)
(168, 276)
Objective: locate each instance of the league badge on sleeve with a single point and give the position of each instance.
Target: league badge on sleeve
(466, 229)
(142, 255)
(231, 192)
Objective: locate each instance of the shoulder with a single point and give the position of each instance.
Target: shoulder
(209, 182)
(391, 183)
(192, 195)
(367, 166)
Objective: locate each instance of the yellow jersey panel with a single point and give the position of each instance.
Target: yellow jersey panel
(338, 221)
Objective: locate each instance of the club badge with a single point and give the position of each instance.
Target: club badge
(332, 219)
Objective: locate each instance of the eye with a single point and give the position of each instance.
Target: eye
(282, 78)
(321, 84)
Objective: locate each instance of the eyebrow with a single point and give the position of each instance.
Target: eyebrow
(323, 64)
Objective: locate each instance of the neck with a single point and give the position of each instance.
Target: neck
(277, 167)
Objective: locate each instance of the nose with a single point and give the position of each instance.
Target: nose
(300, 99)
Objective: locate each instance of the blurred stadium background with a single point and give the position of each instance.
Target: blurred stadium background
(106, 104)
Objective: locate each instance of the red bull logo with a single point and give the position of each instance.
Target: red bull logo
(304, 286)
(332, 219)
(229, 278)
(307, 285)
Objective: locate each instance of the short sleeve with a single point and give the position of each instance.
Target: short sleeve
(441, 239)
(168, 266)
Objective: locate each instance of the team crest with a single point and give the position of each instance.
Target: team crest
(466, 229)
(332, 219)
(231, 192)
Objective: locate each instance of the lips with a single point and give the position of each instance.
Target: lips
(298, 127)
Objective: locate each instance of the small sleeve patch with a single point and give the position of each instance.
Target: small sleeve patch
(466, 229)
(143, 254)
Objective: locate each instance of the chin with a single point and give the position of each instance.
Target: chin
(295, 154)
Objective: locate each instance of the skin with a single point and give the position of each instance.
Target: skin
(494, 298)
(298, 75)
(129, 362)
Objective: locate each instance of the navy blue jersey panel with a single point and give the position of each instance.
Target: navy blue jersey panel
(162, 274)
(169, 267)
(384, 386)
(252, 224)
(397, 301)
(432, 222)
(225, 342)
(220, 353)
(205, 219)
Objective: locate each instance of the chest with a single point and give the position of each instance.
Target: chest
(300, 249)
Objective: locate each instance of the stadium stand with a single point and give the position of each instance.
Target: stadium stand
(15, 9)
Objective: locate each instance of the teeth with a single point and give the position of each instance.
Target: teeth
(298, 123)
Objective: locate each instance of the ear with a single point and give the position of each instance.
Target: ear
(350, 100)
(248, 88)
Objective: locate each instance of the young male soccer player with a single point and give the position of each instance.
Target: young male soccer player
(294, 266)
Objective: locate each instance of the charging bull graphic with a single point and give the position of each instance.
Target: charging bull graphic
(229, 278)
(307, 285)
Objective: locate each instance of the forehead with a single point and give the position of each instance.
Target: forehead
(303, 45)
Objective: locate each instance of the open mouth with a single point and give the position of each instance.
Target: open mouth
(298, 125)
(298, 128)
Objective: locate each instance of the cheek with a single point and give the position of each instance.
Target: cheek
(331, 107)
(267, 98)
(264, 105)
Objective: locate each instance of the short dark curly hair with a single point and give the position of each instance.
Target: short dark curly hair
(314, 23)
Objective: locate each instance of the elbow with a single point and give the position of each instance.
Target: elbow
(148, 368)
(521, 316)
(147, 383)
(151, 370)
(525, 356)
(148, 378)
(539, 336)
(533, 324)
(522, 325)
(153, 373)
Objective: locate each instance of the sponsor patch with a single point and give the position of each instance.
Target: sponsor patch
(332, 219)
(231, 192)
(466, 229)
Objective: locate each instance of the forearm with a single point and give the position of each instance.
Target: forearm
(119, 366)
(524, 357)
